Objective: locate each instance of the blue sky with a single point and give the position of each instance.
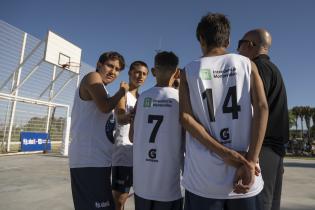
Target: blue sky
(137, 28)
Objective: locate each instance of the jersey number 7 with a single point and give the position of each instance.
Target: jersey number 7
(159, 119)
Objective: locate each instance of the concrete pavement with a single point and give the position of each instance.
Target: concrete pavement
(36, 182)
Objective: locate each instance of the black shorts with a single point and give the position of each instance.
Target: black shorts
(144, 204)
(121, 178)
(91, 188)
(194, 202)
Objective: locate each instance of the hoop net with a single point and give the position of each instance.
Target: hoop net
(72, 66)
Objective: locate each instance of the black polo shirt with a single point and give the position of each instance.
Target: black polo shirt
(277, 132)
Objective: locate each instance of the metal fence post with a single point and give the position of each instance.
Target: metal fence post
(18, 76)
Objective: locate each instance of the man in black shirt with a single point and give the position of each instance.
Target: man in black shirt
(255, 45)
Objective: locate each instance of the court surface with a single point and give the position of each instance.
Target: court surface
(36, 182)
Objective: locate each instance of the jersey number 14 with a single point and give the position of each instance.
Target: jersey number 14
(231, 95)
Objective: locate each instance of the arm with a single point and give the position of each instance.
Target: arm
(243, 179)
(122, 116)
(187, 120)
(91, 88)
(260, 116)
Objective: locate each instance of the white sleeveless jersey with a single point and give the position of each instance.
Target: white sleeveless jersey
(158, 151)
(219, 89)
(91, 134)
(122, 154)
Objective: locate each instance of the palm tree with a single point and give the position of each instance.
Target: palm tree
(296, 112)
(313, 118)
(292, 121)
(307, 116)
(302, 115)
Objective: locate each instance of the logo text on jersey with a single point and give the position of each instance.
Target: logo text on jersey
(102, 204)
(225, 136)
(152, 156)
(226, 72)
(147, 102)
(205, 74)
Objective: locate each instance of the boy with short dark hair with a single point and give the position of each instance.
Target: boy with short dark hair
(90, 152)
(224, 109)
(122, 153)
(156, 133)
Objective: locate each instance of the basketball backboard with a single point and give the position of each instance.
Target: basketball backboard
(62, 53)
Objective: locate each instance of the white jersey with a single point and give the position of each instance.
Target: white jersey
(122, 154)
(219, 89)
(158, 151)
(92, 135)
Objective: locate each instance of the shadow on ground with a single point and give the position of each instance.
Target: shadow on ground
(300, 165)
(297, 208)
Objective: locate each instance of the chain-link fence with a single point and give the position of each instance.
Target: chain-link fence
(34, 95)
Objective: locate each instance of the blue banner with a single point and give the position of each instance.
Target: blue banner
(31, 141)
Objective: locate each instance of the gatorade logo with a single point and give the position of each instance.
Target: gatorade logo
(152, 153)
(205, 74)
(147, 102)
(152, 156)
(225, 136)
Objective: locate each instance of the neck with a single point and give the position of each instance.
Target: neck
(133, 89)
(215, 51)
(259, 53)
(168, 83)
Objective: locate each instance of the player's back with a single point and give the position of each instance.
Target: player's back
(158, 152)
(219, 88)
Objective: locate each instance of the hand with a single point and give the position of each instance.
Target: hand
(234, 158)
(244, 178)
(257, 169)
(124, 86)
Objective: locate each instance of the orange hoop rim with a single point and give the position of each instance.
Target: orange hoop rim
(70, 64)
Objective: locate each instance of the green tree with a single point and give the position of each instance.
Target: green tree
(313, 119)
(292, 122)
(296, 113)
(292, 119)
(307, 116)
(36, 124)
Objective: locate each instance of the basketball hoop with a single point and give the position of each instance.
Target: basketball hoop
(71, 66)
(65, 66)
(68, 65)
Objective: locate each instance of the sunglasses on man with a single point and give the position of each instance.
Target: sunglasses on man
(240, 42)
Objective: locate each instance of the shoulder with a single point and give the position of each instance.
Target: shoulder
(172, 91)
(266, 66)
(238, 57)
(192, 64)
(146, 93)
(91, 78)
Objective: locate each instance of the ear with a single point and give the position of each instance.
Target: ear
(202, 41)
(98, 66)
(153, 71)
(228, 43)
